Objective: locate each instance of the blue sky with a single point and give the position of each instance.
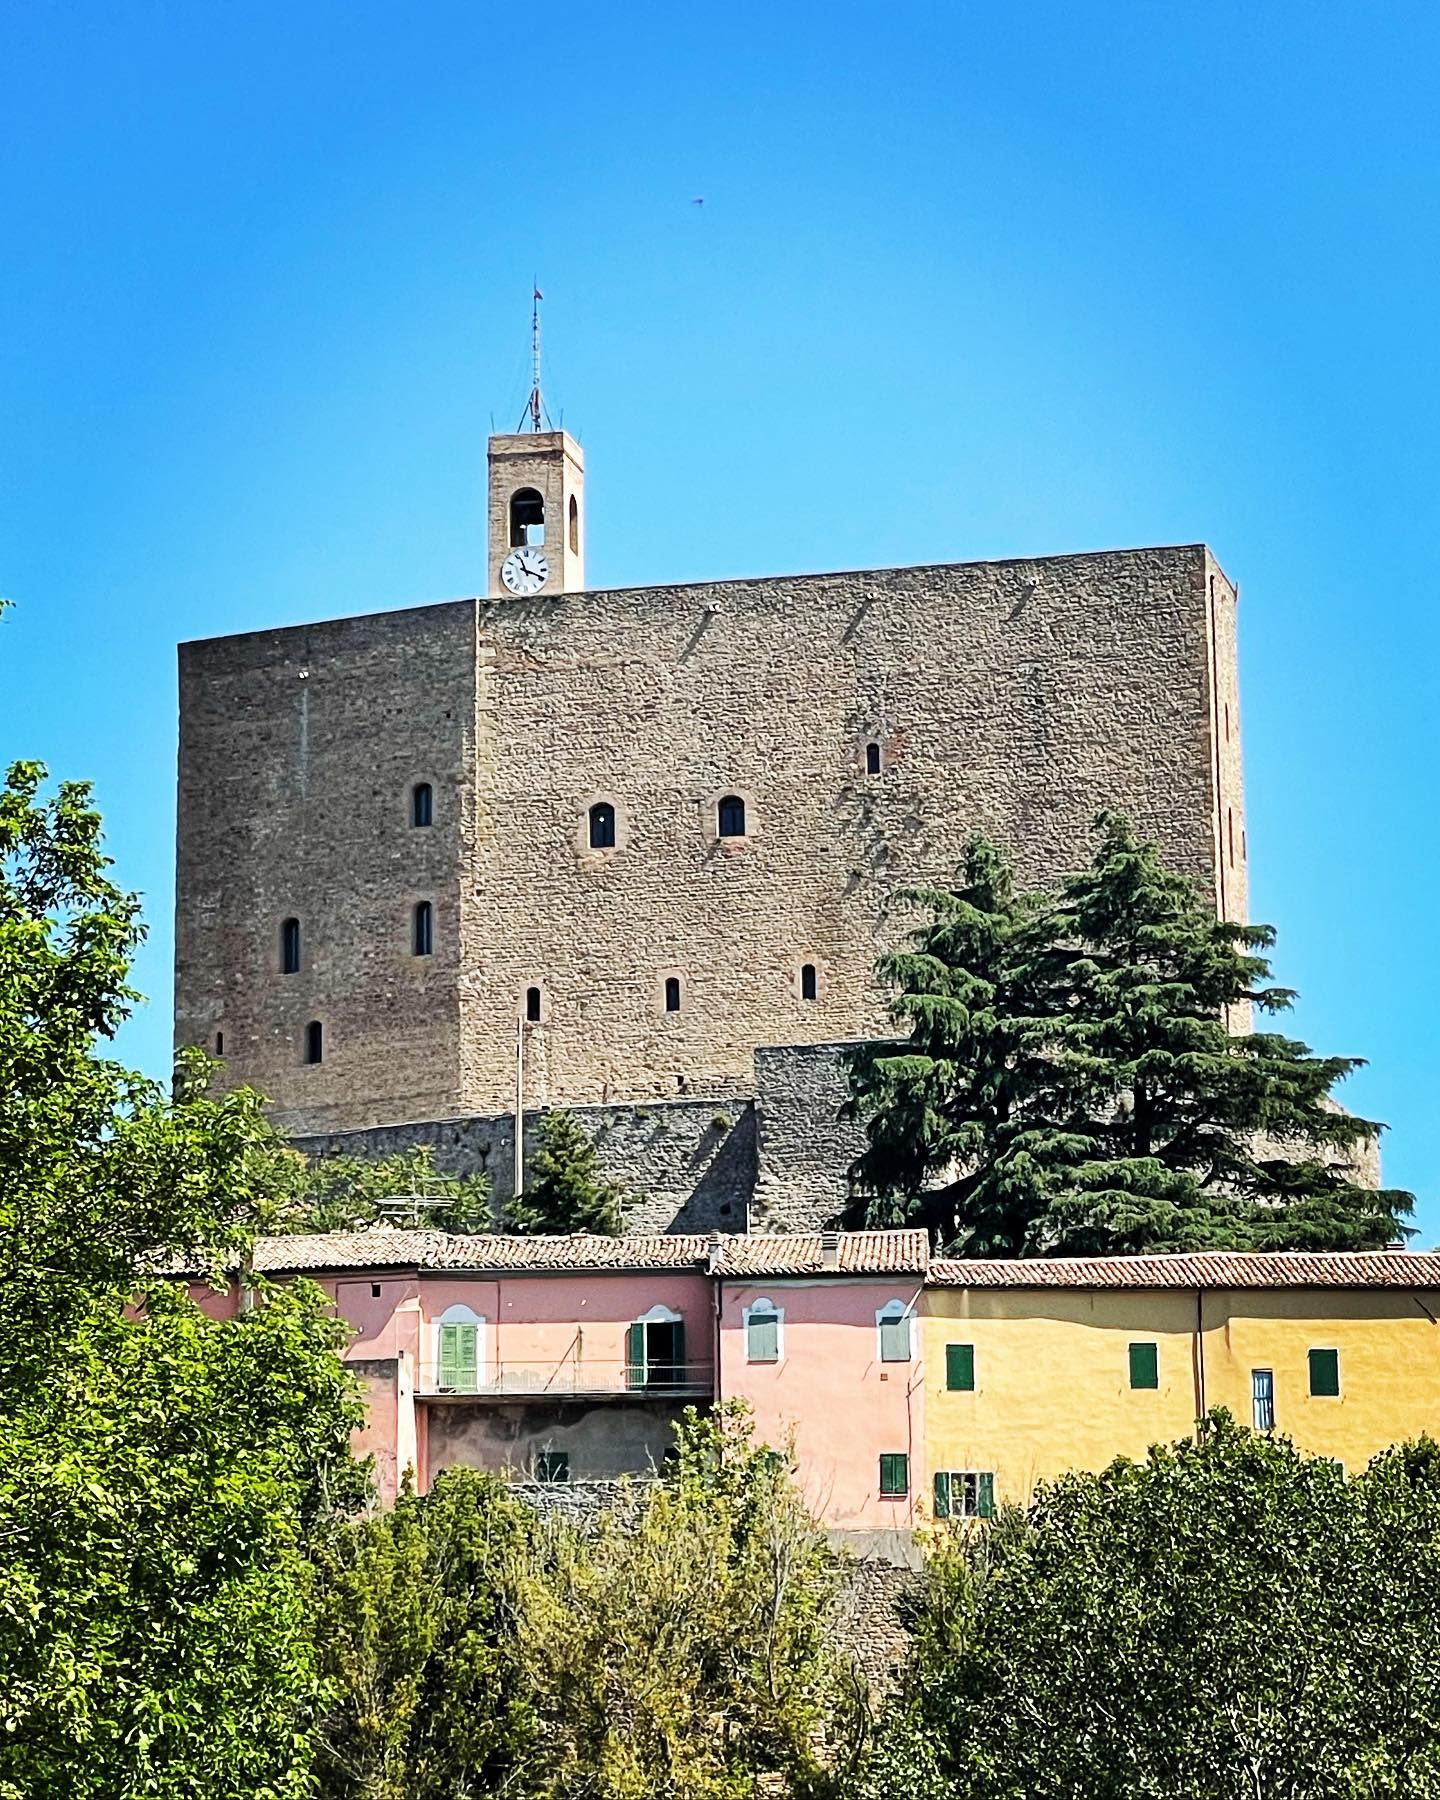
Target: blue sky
(969, 281)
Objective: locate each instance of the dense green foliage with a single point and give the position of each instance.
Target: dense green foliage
(1078, 1077)
(159, 1470)
(346, 1193)
(1226, 1618)
(678, 1646)
(418, 1632)
(683, 1650)
(564, 1189)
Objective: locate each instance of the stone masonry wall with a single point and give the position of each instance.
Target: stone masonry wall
(689, 1165)
(298, 753)
(1016, 697)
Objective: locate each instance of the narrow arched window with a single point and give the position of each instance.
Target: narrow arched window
(422, 804)
(731, 819)
(219, 1043)
(290, 947)
(314, 1042)
(602, 826)
(672, 993)
(532, 1005)
(422, 928)
(527, 517)
(574, 526)
(807, 982)
(872, 759)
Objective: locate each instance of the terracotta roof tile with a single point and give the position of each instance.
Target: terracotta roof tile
(384, 1247)
(1208, 1269)
(803, 1253)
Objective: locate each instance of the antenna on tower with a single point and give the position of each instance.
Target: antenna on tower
(535, 407)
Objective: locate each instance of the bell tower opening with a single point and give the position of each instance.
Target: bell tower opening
(527, 516)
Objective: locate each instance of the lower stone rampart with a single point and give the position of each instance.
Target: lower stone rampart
(775, 1160)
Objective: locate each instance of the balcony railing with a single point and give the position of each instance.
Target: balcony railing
(574, 1377)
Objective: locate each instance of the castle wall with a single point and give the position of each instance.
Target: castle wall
(1012, 697)
(685, 1165)
(298, 753)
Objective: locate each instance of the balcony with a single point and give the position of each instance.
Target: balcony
(577, 1379)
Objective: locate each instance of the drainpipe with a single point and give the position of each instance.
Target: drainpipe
(1199, 1359)
(717, 1293)
(517, 1182)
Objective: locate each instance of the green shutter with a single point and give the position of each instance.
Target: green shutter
(1325, 1374)
(895, 1338)
(986, 1507)
(960, 1366)
(449, 1356)
(894, 1475)
(942, 1494)
(762, 1337)
(635, 1356)
(467, 1342)
(1144, 1365)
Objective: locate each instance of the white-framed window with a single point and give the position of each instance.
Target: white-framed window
(459, 1350)
(655, 1350)
(764, 1332)
(964, 1494)
(892, 1332)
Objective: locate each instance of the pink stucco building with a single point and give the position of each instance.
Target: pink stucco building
(569, 1359)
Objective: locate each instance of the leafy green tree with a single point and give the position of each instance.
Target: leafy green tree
(160, 1470)
(564, 1189)
(1077, 1078)
(346, 1193)
(154, 1503)
(1227, 1617)
(682, 1648)
(418, 1636)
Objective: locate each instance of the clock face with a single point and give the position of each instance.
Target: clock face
(525, 571)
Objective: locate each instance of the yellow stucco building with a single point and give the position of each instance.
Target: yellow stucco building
(1038, 1367)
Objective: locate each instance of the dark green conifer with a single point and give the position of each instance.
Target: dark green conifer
(564, 1190)
(1081, 1077)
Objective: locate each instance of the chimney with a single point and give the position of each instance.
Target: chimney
(829, 1249)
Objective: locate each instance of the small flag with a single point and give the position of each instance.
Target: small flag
(538, 294)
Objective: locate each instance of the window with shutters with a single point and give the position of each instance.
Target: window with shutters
(1325, 1374)
(892, 1325)
(552, 1466)
(1144, 1365)
(655, 1351)
(764, 1322)
(457, 1351)
(964, 1494)
(960, 1367)
(894, 1475)
(1262, 1398)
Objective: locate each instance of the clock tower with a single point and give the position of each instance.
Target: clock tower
(536, 514)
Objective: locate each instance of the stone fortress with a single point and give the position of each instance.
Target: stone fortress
(633, 851)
